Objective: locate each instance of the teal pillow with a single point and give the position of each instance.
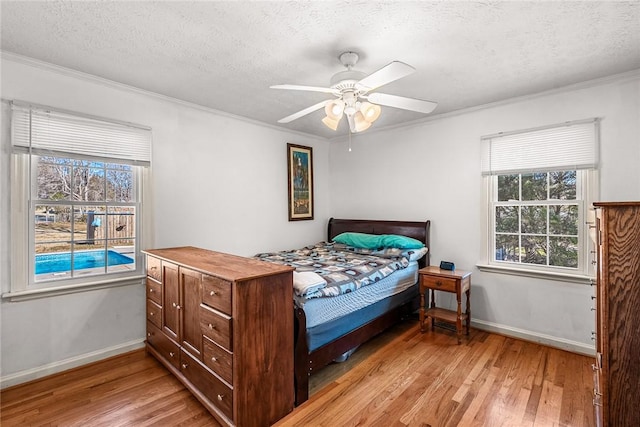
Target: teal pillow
(359, 240)
(402, 242)
(377, 241)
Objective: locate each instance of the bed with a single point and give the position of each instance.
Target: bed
(328, 329)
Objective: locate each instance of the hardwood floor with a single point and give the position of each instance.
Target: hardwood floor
(129, 390)
(405, 378)
(401, 378)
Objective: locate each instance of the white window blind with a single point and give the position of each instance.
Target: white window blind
(566, 146)
(44, 131)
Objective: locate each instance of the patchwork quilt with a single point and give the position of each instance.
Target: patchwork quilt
(343, 268)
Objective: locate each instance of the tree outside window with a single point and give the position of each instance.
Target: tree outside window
(536, 219)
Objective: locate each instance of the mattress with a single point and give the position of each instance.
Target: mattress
(331, 317)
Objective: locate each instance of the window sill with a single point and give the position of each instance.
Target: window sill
(16, 296)
(562, 277)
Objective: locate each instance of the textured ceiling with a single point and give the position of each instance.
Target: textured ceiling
(225, 55)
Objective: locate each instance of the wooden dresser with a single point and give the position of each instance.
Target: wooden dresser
(617, 368)
(223, 325)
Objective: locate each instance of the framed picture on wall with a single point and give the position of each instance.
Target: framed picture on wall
(300, 180)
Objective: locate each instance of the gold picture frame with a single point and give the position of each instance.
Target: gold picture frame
(300, 180)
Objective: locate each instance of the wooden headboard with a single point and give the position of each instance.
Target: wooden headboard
(415, 229)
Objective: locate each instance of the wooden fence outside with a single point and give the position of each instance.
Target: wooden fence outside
(119, 228)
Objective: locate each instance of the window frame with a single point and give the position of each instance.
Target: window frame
(23, 283)
(536, 150)
(23, 186)
(584, 199)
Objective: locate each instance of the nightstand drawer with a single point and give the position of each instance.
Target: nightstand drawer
(216, 326)
(154, 291)
(438, 283)
(216, 293)
(154, 313)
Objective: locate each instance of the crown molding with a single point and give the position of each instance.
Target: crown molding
(615, 78)
(14, 57)
(612, 79)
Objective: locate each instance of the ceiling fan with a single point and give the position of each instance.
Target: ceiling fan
(354, 98)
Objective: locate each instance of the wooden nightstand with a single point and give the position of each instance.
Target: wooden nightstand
(456, 282)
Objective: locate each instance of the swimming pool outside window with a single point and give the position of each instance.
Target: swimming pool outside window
(61, 262)
(89, 207)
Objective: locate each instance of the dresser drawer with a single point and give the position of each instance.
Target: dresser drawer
(438, 283)
(218, 360)
(163, 344)
(154, 291)
(597, 395)
(216, 326)
(214, 389)
(154, 313)
(154, 268)
(216, 293)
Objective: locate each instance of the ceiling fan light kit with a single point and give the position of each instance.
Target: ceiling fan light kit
(334, 109)
(352, 89)
(360, 122)
(331, 123)
(370, 111)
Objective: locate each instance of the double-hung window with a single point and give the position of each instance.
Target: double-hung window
(541, 183)
(77, 198)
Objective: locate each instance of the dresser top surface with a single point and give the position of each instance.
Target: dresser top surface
(226, 266)
(614, 204)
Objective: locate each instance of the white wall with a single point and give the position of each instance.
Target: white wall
(219, 182)
(432, 171)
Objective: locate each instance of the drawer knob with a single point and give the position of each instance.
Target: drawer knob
(151, 313)
(185, 365)
(212, 293)
(211, 326)
(171, 353)
(149, 334)
(220, 397)
(438, 283)
(214, 359)
(150, 290)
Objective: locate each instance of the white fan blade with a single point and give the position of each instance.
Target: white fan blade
(304, 112)
(387, 74)
(307, 88)
(412, 104)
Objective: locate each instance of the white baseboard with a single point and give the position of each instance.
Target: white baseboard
(551, 341)
(63, 365)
